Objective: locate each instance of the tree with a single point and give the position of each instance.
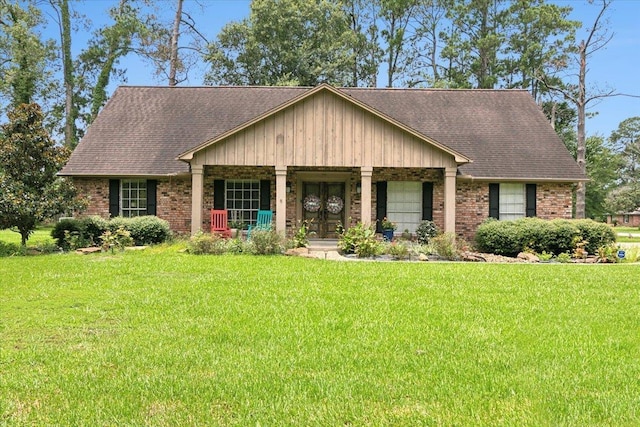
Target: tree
(30, 191)
(602, 169)
(285, 42)
(367, 53)
(626, 140)
(597, 38)
(24, 58)
(163, 44)
(473, 43)
(97, 63)
(396, 15)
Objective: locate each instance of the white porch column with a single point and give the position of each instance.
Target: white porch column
(365, 197)
(281, 199)
(450, 199)
(197, 190)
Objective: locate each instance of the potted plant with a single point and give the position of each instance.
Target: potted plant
(235, 227)
(388, 228)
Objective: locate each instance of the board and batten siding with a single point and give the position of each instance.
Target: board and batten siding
(324, 130)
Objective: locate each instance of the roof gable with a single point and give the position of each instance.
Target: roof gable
(314, 92)
(324, 128)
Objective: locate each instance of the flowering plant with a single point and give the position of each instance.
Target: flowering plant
(388, 225)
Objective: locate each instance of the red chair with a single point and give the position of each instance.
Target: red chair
(219, 223)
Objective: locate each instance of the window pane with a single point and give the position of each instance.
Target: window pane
(243, 198)
(512, 201)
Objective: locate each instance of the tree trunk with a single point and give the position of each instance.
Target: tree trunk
(67, 65)
(581, 149)
(175, 34)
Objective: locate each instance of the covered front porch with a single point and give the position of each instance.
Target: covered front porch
(325, 197)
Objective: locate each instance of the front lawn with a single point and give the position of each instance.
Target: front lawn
(165, 338)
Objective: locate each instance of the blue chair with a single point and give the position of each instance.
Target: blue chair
(263, 222)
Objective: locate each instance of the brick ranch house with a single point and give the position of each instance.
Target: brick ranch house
(333, 155)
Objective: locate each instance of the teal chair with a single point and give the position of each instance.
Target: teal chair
(263, 222)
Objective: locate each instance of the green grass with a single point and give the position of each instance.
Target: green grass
(627, 234)
(165, 338)
(40, 235)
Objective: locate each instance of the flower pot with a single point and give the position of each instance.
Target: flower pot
(388, 235)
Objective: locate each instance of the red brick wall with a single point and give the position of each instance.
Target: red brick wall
(472, 204)
(173, 200)
(472, 198)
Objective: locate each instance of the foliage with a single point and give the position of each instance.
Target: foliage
(425, 231)
(386, 224)
(301, 236)
(623, 199)
(555, 236)
(445, 245)
(626, 140)
(359, 239)
(65, 230)
(284, 42)
(563, 257)
(30, 191)
(149, 230)
(206, 244)
(265, 242)
(118, 239)
(398, 250)
(608, 253)
(94, 226)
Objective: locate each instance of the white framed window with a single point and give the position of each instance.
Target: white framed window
(404, 204)
(242, 200)
(133, 197)
(513, 201)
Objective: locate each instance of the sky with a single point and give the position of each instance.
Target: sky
(616, 67)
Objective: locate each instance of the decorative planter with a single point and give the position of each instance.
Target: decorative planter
(388, 235)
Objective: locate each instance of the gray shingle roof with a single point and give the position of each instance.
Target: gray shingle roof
(142, 130)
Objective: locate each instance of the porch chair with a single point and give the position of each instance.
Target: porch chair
(263, 222)
(219, 223)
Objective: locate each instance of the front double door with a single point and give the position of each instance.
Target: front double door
(323, 206)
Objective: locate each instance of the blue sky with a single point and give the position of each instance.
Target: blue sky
(616, 67)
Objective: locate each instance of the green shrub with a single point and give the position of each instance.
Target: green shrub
(145, 230)
(265, 242)
(206, 244)
(119, 239)
(361, 240)
(445, 245)
(69, 233)
(596, 234)
(94, 227)
(149, 230)
(537, 235)
(10, 249)
(398, 250)
(498, 237)
(426, 231)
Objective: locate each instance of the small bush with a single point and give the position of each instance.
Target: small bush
(149, 230)
(426, 231)
(361, 240)
(596, 234)
(10, 249)
(94, 227)
(399, 250)
(445, 246)
(119, 239)
(68, 233)
(265, 242)
(206, 244)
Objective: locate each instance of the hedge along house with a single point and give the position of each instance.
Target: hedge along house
(330, 155)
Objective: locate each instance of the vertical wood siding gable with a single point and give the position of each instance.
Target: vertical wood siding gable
(325, 130)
